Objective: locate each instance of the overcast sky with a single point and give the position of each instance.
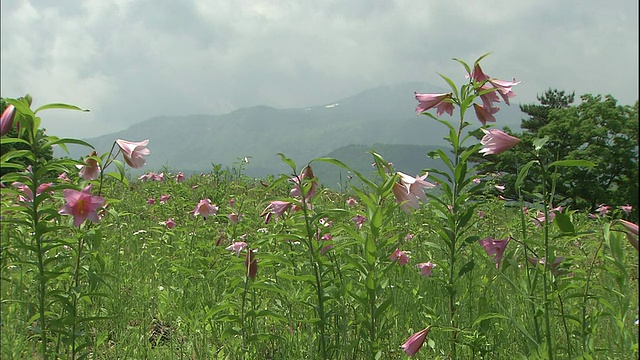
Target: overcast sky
(128, 61)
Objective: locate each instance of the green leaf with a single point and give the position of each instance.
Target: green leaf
(564, 224)
(522, 174)
(466, 268)
(488, 316)
(583, 163)
(540, 142)
(59, 106)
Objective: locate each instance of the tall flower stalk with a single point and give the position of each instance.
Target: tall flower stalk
(453, 205)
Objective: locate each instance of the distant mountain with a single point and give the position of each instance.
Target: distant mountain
(192, 143)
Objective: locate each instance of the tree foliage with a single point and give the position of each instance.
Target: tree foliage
(598, 130)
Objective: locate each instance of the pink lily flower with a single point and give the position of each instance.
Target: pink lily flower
(485, 115)
(164, 198)
(351, 202)
(496, 141)
(133, 152)
(90, 170)
(415, 185)
(542, 261)
(237, 247)
(307, 173)
(276, 207)
(170, 223)
(603, 209)
(429, 101)
(626, 208)
(180, 177)
(405, 199)
(205, 208)
(81, 205)
(359, 220)
(632, 232)
(6, 120)
(426, 268)
(494, 248)
(401, 256)
(415, 341)
(503, 87)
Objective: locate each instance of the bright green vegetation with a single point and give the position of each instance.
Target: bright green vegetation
(155, 293)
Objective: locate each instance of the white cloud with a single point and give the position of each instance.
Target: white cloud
(132, 60)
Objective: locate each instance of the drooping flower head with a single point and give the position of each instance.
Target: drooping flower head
(276, 207)
(237, 247)
(485, 114)
(416, 185)
(401, 256)
(494, 248)
(415, 341)
(90, 170)
(632, 232)
(603, 209)
(426, 268)
(180, 177)
(6, 120)
(81, 205)
(205, 208)
(359, 220)
(496, 141)
(251, 264)
(134, 152)
(502, 87)
(308, 176)
(626, 208)
(170, 223)
(406, 200)
(439, 101)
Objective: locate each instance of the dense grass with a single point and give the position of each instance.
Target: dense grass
(156, 293)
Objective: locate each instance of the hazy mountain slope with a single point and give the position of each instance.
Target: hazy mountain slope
(383, 115)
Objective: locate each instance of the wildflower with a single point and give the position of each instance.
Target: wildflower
(359, 220)
(151, 201)
(170, 223)
(401, 256)
(415, 341)
(326, 237)
(44, 187)
(64, 177)
(232, 202)
(27, 194)
(205, 209)
(481, 214)
(494, 248)
(133, 152)
(403, 198)
(351, 202)
(499, 187)
(234, 218)
(326, 222)
(626, 208)
(251, 263)
(485, 115)
(426, 268)
(164, 198)
(409, 237)
(81, 205)
(632, 234)
(237, 247)
(476, 181)
(276, 207)
(307, 173)
(503, 87)
(180, 177)
(439, 101)
(496, 141)
(90, 169)
(415, 185)
(6, 120)
(603, 209)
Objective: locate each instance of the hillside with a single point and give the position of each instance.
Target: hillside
(192, 143)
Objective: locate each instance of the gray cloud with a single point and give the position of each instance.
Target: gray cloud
(131, 60)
